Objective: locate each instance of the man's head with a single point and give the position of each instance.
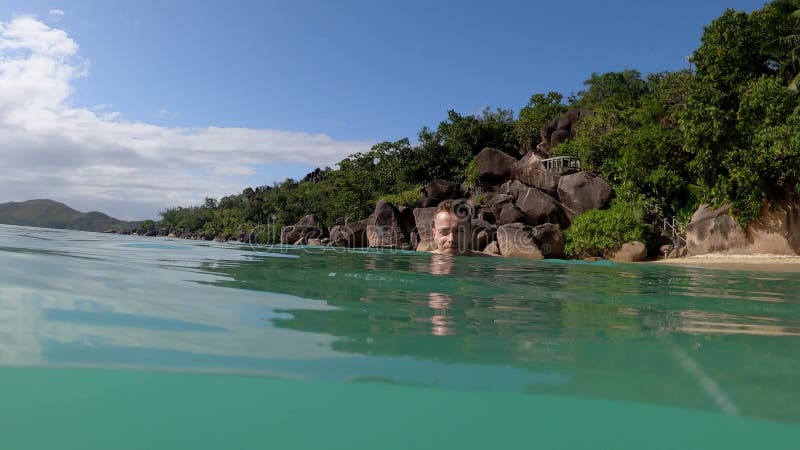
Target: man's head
(452, 228)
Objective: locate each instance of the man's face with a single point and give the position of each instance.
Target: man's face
(449, 234)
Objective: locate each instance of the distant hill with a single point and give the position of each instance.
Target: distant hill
(51, 214)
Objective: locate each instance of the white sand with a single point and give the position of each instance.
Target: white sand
(765, 262)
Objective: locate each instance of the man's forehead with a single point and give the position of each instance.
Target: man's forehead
(445, 219)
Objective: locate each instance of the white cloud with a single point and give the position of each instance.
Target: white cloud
(94, 156)
(56, 15)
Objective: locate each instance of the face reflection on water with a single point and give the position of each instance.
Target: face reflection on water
(441, 324)
(441, 264)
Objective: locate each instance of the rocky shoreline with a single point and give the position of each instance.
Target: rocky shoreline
(519, 209)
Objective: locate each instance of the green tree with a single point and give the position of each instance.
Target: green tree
(210, 203)
(768, 166)
(540, 110)
(785, 47)
(637, 145)
(612, 91)
(446, 152)
(734, 104)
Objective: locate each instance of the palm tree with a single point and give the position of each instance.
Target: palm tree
(786, 48)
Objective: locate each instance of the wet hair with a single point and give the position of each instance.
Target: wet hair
(461, 208)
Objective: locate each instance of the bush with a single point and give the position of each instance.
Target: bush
(267, 234)
(596, 232)
(471, 173)
(411, 197)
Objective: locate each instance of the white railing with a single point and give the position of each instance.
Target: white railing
(562, 162)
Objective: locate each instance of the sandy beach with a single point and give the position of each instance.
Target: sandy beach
(762, 262)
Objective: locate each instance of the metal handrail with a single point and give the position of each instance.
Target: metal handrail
(671, 226)
(562, 162)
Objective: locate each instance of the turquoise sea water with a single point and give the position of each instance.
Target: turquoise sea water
(139, 343)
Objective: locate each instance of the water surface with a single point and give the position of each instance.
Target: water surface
(128, 342)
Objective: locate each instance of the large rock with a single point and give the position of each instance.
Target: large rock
(428, 202)
(386, 228)
(487, 215)
(540, 208)
(531, 171)
(482, 234)
(352, 234)
(294, 233)
(492, 249)
(512, 188)
(497, 203)
(563, 123)
(479, 224)
(714, 231)
(559, 136)
(313, 177)
(775, 231)
(550, 240)
(573, 115)
(633, 251)
(510, 213)
(546, 131)
(424, 224)
(309, 220)
(481, 240)
(439, 190)
(583, 191)
(494, 166)
(309, 227)
(516, 241)
(408, 222)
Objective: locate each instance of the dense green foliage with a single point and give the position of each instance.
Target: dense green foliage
(410, 197)
(634, 140)
(395, 171)
(786, 46)
(727, 131)
(540, 110)
(596, 231)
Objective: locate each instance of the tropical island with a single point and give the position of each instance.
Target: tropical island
(709, 154)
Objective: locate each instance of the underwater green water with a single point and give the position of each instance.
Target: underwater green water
(124, 342)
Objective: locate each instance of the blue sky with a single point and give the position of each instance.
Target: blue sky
(355, 72)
